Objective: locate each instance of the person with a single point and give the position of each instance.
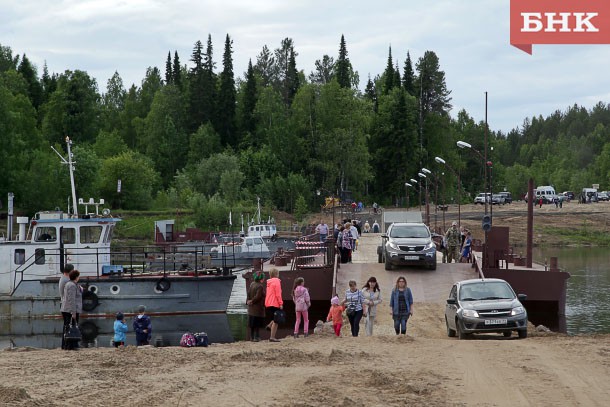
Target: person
(401, 302)
(322, 229)
(453, 243)
(273, 301)
(355, 300)
(444, 248)
(367, 227)
(256, 305)
(65, 277)
(540, 202)
(71, 305)
(375, 207)
(466, 250)
(346, 244)
(375, 227)
(355, 234)
(142, 326)
(372, 298)
(335, 314)
(462, 237)
(354, 206)
(120, 329)
(302, 302)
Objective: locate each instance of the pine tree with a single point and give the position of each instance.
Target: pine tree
(397, 79)
(27, 70)
(209, 85)
(343, 66)
(168, 69)
(226, 98)
(176, 71)
(408, 79)
(198, 115)
(49, 83)
(324, 72)
(389, 75)
(370, 92)
(292, 82)
(432, 87)
(249, 102)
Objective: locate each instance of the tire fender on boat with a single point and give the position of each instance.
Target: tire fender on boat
(90, 301)
(163, 284)
(273, 238)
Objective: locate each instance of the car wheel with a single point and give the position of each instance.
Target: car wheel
(523, 334)
(450, 332)
(432, 266)
(458, 330)
(507, 334)
(388, 265)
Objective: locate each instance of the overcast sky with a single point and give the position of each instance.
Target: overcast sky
(470, 37)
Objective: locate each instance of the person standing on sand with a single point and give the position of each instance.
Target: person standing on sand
(120, 330)
(273, 301)
(401, 302)
(70, 306)
(142, 326)
(354, 300)
(372, 298)
(302, 302)
(256, 305)
(62, 283)
(335, 314)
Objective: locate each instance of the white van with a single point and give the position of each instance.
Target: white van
(546, 192)
(588, 195)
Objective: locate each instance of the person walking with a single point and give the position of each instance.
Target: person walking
(322, 229)
(354, 301)
(256, 305)
(454, 241)
(466, 249)
(335, 314)
(71, 305)
(273, 301)
(401, 302)
(346, 244)
(302, 302)
(372, 298)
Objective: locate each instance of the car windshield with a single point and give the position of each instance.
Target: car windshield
(486, 291)
(409, 231)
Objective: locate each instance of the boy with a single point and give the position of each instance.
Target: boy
(120, 329)
(142, 326)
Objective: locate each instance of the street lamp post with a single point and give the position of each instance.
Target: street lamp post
(407, 185)
(428, 172)
(443, 162)
(421, 175)
(415, 182)
(463, 144)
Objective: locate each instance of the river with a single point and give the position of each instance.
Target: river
(588, 293)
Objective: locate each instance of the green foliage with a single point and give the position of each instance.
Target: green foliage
(300, 208)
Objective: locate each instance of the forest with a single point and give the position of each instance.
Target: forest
(197, 136)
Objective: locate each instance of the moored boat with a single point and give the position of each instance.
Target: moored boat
(114, 279)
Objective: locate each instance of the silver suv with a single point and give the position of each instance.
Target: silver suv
(485, 305)
(482, 197)
(407, 244)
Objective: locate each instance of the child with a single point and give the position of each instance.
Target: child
(336, 314)
(120, 329)
(142, 326)
(302, 302)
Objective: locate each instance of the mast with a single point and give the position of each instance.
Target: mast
(70, 164)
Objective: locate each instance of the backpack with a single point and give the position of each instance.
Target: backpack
(201, 339)
(188, 340)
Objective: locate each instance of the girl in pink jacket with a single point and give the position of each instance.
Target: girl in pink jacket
(302, 302)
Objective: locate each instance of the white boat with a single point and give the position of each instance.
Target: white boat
(114, 279)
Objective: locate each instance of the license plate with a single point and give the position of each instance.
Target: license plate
(411, 257)
(495, 322)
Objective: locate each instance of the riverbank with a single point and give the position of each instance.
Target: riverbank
(425, 368)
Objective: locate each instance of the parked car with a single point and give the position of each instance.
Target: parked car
(485, 305)
(508, 198)
(497, 199)
(407, 244)
(603, 196)
(480, 199)
(569, 194)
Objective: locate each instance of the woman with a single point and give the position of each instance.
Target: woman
(354, 301)
(372, 297)
(256, 305)
(401, 302)
(72, 305)
(466, 248)
(346, 244)
(273, 301)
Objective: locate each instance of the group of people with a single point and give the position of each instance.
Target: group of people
(265, 299)
(71, 297)
(457, 245)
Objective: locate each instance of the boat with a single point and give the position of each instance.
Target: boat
(113, 278)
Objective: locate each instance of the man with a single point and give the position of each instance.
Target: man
(322, 229)
(454, 241)
(62, 283)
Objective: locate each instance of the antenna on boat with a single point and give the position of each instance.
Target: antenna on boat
(258, 210)
(70, 164)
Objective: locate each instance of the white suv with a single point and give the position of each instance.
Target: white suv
(482, 197)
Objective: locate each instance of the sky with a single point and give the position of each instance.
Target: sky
(470, 37)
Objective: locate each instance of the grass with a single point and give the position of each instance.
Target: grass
(585, 235)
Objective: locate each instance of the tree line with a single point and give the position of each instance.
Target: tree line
(198, 136)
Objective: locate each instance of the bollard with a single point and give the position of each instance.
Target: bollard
(554, 266)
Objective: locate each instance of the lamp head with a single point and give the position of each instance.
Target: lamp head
(421, 175)
(439, 160)
(463, 144)
(426, 171)
(413, 180)
(408, 185)
(318, 192)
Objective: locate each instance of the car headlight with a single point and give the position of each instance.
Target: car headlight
(517, 311)
(470, 313)
(429, 246)
(393, 245)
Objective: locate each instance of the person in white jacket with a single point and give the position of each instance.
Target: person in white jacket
(372, 298)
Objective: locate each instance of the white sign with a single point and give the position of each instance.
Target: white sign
(118, 186)
(596, 186)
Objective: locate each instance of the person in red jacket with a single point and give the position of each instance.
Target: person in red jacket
(273, 301)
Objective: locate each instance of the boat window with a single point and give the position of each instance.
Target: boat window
(258, 241)
(267, 228)
(45, 234)
(39, 256)
(68, 235)
(19, 256)
(90, 234)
